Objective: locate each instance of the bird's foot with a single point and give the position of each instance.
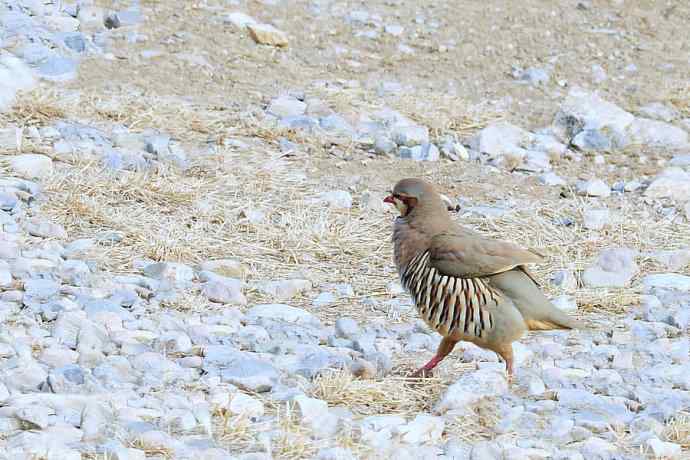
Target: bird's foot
(422, 373)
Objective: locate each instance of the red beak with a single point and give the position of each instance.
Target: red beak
(389, 199)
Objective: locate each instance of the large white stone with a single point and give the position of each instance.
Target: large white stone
(502, 138)
(31, 165)
(472, 387)
(671, 183)
(15, 76)
(657, 134)
(583, 110)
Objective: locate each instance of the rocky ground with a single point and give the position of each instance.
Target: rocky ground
(195, 260)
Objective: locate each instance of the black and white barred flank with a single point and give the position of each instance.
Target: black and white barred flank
(449, 304)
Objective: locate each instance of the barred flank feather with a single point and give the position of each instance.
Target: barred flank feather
(449, 303)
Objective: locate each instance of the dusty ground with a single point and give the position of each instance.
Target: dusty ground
(211, 82)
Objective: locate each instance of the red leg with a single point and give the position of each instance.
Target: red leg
(507, 355)
(444, 348)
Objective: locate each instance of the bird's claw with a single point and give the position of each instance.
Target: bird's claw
(422, 373)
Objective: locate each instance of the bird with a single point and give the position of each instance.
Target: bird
(466, 286)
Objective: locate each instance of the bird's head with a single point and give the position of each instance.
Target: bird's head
(410, 194)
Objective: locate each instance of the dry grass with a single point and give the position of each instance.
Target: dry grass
(371, 397)
(678, 431)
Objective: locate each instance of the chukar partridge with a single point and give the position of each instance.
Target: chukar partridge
(464, 285)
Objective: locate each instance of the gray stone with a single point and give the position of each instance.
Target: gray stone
(425, 152)
(593, 187)
(40, 289)
(334, 123)
(613, 268)
(582, 110)
(533, 76)
(410, 135)
(58, 69)
(384, 145)
(250, 374)
(75, 41)
(592, 139)
(346, 328)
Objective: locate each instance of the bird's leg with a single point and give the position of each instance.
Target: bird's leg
(507, 354)
(445, 347)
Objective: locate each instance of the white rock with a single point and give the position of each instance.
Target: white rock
(15, 76)
(10, 138)
(659, 111)
(665, 450)
(314, 413)
(671, 183)
(423, 429)
(565, 279)
(501, 138)
(125, 453)
(176, 274)
(286, 106)
(31, 165)
(672, 260)
(282, 312)
(339, 199)
(410, 135)
(594, 187)
(239, 19)
(266, 34)
(583, 110)
(551, 178)
(666, 281)
(613, 268)
(471, 388)
(657, 133)
(242, 404)
(224, 290)
(57, 357)
(285, 289)
(596, 219)
(324, 299)
(43, 229)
